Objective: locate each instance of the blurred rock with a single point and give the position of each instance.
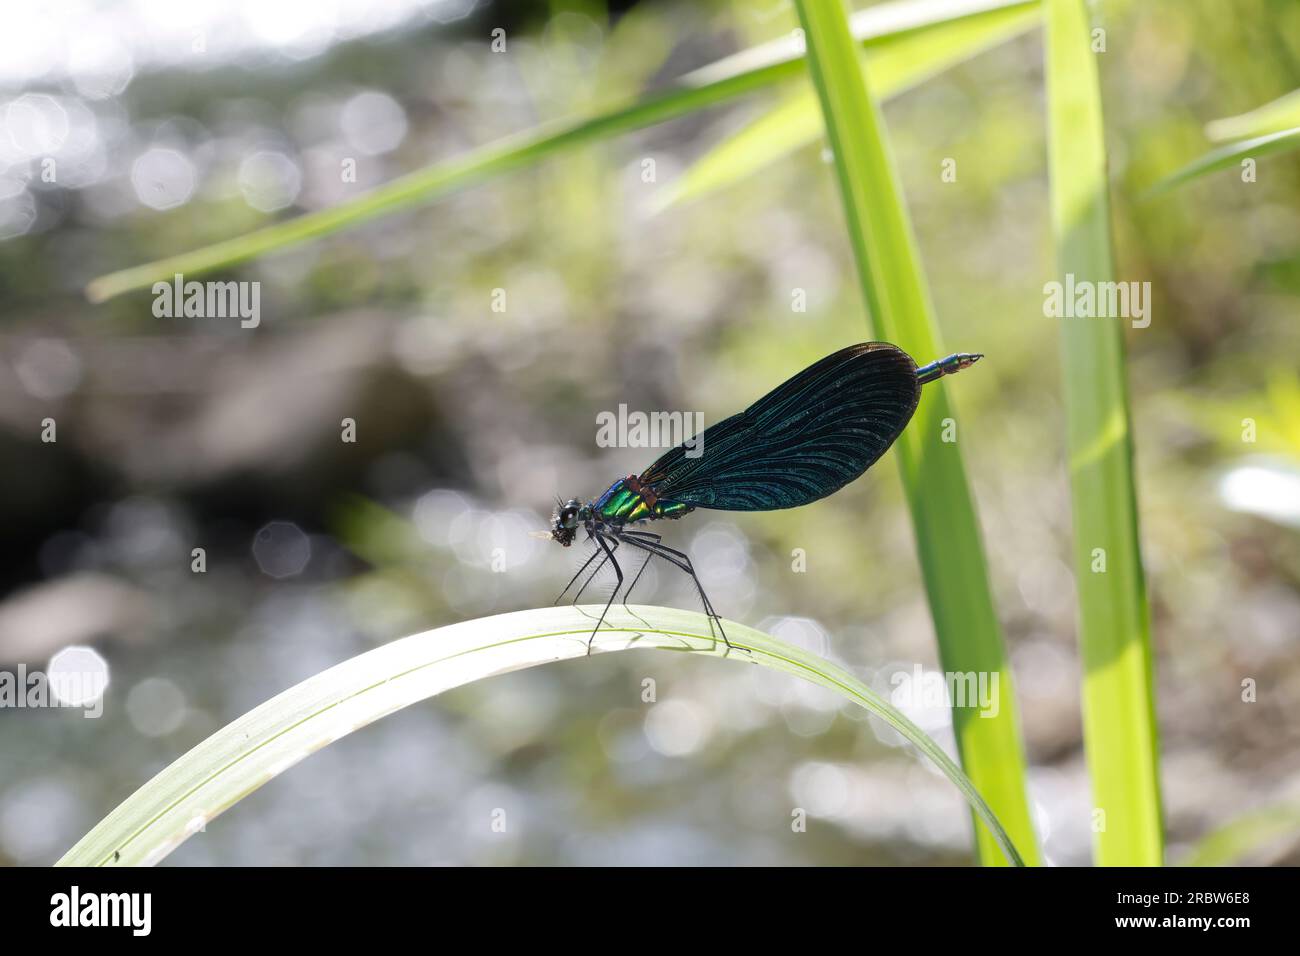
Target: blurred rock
(38, 621)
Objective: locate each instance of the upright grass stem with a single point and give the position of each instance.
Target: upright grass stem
(1118, 700)
(934, 477)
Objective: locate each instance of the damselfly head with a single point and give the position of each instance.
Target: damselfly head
(564, 522)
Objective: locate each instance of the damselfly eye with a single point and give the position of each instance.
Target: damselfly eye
(569, 517)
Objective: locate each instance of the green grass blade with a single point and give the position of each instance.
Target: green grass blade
(269, 739)
(1232, 154)
(1282, 113)
(1118, 700)
(708, 86)
(895, 64)
(1246, 834)
(947, 533)
(791, 126)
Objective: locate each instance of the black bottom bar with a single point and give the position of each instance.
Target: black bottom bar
(481, 906)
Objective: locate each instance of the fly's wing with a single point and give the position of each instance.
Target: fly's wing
(803, 441)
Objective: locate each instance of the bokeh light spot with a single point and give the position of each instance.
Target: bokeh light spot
(281, 549)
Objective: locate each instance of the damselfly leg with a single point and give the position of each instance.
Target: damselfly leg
(607, 543)
(618, 571)
(649, 542)
(578, 574)
(591, 577)
(644, 564)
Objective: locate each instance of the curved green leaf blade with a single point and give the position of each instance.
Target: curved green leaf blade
(708, 86)
(1282, 113)
(1247, 833)
(269, 739)
(894, 65)
(1229, 155)
(934, 476)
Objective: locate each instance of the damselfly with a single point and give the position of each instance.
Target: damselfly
(804, 440)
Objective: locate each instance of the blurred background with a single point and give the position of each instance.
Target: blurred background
(175, 125)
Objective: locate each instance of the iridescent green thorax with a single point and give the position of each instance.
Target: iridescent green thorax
(628, 500)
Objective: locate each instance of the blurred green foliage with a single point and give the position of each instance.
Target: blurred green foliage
(688, 309)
